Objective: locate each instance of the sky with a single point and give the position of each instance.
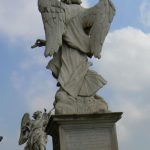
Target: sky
(26, 85)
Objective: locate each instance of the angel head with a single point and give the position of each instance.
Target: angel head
(72, 1)
(37, 115)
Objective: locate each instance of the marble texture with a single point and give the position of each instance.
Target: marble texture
(84, 132)
(33, 131)
(73, 35)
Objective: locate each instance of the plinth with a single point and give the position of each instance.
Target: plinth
(84, 132)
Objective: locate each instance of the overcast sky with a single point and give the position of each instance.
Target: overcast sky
(26, 85)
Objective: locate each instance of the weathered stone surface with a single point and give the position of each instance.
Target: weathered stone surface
(66, 104)
(74, 34)
(33, 131)
(84, 132)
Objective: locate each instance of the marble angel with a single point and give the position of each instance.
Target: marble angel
(73, 35)
(33, 131)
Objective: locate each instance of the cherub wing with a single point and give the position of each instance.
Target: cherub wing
(25, 129)
(104, 12)
(53, 16)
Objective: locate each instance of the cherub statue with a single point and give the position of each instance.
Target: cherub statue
(33, 131)
(74, 34)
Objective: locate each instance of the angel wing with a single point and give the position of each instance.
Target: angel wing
(104, 12)
(25, 129)
(53, 16)
(87, 30)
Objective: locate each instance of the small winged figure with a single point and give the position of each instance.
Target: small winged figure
(33, 131)
(74, 34)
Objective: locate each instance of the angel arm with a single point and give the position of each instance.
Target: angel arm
(45, 118)
(39, 43)
(46, 115)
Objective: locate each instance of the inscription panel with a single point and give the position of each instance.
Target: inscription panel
(85, 138)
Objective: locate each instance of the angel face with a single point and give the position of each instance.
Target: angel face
(37, 114)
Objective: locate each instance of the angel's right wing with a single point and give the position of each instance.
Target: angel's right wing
(53, 15)
(104, 12)
(25, 129)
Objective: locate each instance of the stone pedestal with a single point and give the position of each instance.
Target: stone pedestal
(84, 132)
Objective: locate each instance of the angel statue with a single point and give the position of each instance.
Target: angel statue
(33, 131)
(74, 34)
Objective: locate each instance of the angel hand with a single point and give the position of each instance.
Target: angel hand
(39, 43)
(97, 56)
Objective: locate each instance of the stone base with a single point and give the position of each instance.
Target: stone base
(84, 132)
(66, 104)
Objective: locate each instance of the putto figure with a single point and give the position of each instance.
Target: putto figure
(33, 131)
(74, 34)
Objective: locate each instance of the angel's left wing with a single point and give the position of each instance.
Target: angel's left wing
(25, 129)
(53, 16)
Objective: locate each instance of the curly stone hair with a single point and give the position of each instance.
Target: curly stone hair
(37, 114)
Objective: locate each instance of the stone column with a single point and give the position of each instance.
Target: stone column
(84, 132)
